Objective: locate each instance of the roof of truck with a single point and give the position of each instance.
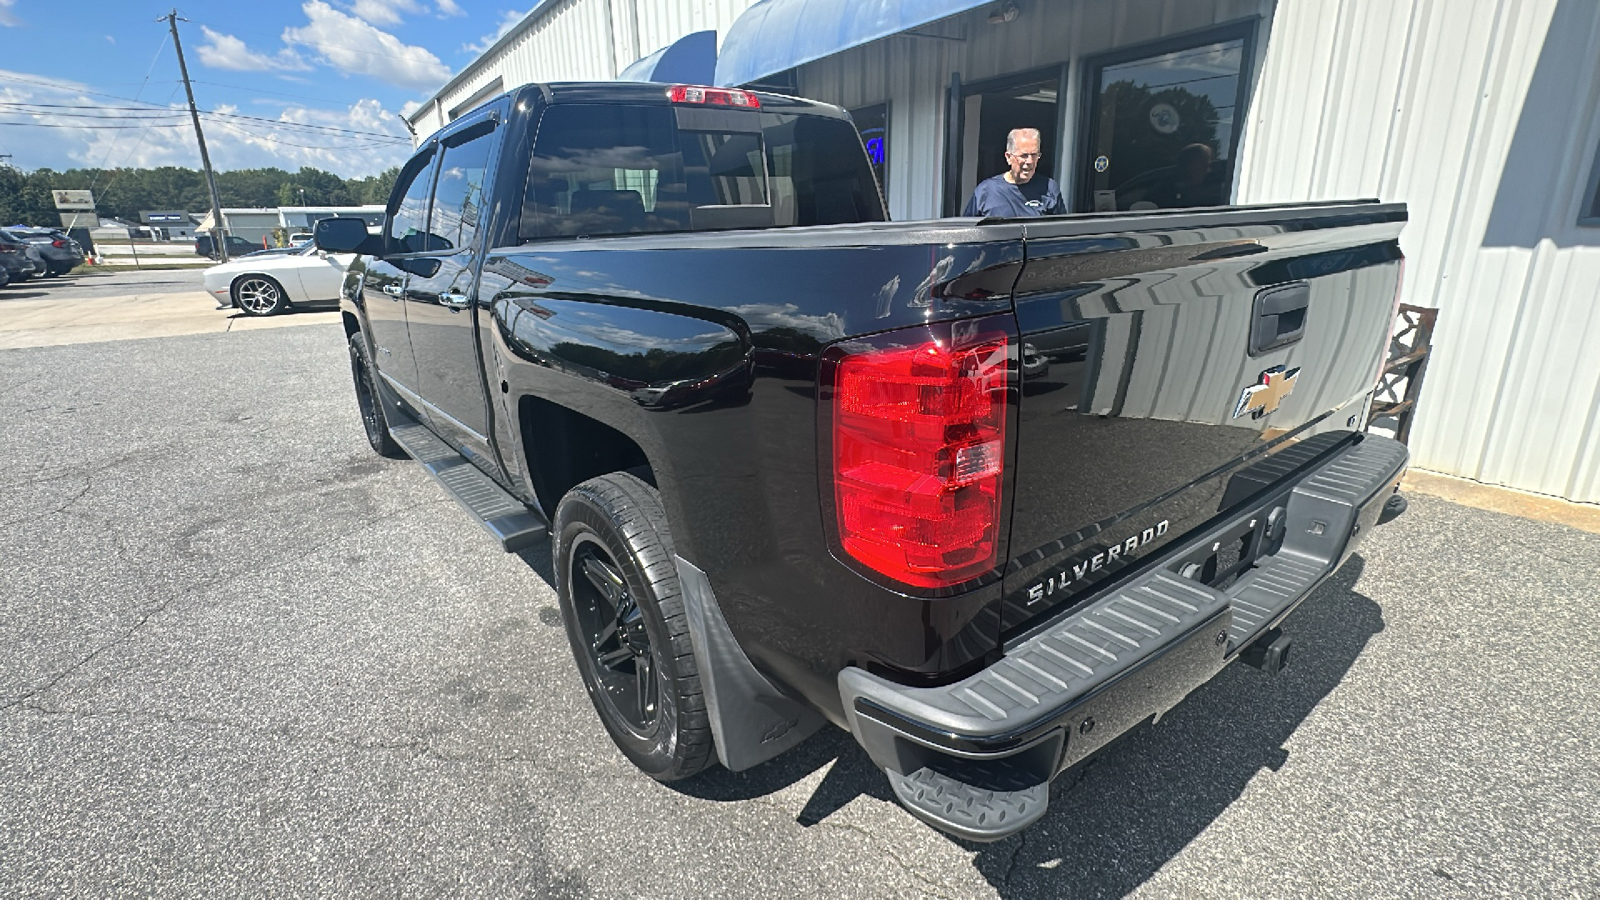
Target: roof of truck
(640, 92)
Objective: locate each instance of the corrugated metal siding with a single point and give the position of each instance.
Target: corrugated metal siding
(1481, 115)
(589, 40)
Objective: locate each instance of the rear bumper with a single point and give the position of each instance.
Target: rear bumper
(975, 758)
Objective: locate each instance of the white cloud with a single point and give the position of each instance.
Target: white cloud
(508, 21)
(240, 144)
(448, 8)
(110, 39)
(356, 47)
(409, 107)
(384, 12)
(66, 142)
(224, 51)
(7, 17)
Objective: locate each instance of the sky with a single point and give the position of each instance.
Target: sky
(321, 83)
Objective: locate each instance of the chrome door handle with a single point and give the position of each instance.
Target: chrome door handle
(453, 299)
(393, 290)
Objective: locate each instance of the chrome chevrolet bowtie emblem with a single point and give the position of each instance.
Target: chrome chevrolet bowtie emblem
(1261, 399)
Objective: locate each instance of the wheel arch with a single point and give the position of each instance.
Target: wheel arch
(233, 284)
(563, 448)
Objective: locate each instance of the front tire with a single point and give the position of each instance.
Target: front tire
(623, 609)
(373, 421)
(259, 295)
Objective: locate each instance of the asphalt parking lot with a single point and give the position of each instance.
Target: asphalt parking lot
(242, 656)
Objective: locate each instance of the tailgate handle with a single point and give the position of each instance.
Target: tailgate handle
(1279, 317)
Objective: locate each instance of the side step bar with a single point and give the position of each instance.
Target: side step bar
(507, 519)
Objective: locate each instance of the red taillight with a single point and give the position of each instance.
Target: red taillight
(919, 447)
(709, 96)
(59, 244)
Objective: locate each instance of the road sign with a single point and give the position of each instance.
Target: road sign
(66, 200)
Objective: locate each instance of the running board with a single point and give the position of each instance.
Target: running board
(508, 519)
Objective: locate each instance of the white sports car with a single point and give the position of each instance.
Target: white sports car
(263, 285)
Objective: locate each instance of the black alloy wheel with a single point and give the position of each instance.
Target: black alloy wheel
(373, 421)
(612, 626)
(618, 589)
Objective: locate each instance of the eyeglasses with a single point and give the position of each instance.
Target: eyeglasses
(1023, 155)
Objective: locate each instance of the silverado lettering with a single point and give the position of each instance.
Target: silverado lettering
(1080, 570)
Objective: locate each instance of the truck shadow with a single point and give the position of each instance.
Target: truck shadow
(1116, 821)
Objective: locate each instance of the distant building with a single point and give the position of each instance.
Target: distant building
(254, 225)
(171, 225)
(303, 218)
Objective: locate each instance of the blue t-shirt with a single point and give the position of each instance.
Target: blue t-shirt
(998, 197)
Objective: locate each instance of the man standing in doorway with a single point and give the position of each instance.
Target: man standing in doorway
(1016, 192)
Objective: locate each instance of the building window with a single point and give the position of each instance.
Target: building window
(1161, 127)
(1590, 213)
(873, 123)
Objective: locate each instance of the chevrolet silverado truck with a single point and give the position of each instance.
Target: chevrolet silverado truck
(986, 493)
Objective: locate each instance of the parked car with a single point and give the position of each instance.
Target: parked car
(269, 283)
(20, 259)
(299, 237)
(237, 246)
(985, 493)
(60, 253)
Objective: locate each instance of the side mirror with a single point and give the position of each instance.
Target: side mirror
(342, 236)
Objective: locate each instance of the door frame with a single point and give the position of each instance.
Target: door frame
(955, 138)
(1088, 122)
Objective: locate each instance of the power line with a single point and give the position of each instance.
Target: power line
(369, 145)
(75, 115)
(92, 127)
(156, 112)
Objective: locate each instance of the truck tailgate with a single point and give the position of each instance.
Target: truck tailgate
(1167, 361)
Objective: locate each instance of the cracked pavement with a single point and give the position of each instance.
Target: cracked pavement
(241, 655)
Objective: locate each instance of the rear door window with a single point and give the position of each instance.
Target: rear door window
(608, 170)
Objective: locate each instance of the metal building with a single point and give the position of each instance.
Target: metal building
(1482, 115)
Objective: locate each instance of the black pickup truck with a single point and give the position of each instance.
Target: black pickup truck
(987, 493)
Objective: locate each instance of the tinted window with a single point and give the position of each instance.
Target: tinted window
(873, 125)
(820, 174)
(459, 196)
(604, 170)
(409, 219)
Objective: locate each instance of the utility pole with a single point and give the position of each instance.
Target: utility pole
(219, 232)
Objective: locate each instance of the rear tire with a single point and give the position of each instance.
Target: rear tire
(619, 596)
(373, 421)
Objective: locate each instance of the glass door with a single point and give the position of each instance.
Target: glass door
(989, 111)
(1162, 123)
